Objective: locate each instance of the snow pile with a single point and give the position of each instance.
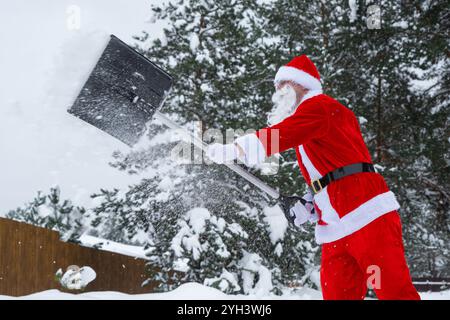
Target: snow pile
(76, 278)
(78, 57)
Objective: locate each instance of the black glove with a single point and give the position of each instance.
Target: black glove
(298, 210)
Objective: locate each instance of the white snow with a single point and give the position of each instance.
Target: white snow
(362, 120)
(252, 264)
(187, 291)
(401, 24)
(45, 211)
(197, 218)
(77, 278)
(278, 249)
(276, 221)
(353, 10)
(181, 264)
(77, 58)
(237, 229)
(224, 281)
(108, 245)
(192, 226)
(194, 42)
(222, 250)
(193, 245)
(187, 237)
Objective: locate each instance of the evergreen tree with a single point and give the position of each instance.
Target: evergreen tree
(49, 211)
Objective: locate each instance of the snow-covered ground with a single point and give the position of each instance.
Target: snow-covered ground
(195, 291)
(40, 144)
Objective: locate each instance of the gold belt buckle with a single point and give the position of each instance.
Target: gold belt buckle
(316, 190)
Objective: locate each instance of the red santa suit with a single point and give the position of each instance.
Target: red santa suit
(359, 227)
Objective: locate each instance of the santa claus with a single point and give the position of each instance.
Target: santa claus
(355, 212)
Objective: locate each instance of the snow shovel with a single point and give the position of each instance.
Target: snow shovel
(125, 90)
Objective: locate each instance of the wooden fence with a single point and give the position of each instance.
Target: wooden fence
(30, 256)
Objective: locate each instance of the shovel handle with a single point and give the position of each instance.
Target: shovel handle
(237, 169)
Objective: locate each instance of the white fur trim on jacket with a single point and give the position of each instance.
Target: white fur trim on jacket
(298, 76)
(312, 171)
(253, 149)
(329, 214)
(358, 218)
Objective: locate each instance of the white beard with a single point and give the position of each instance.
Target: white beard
(284, 105)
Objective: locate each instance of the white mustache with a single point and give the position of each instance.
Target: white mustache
(284, 101)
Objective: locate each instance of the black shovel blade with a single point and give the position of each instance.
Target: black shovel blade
(122, 93)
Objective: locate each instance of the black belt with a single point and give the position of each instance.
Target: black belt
(317, 185)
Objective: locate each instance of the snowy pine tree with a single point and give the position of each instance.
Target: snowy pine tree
(49, 211)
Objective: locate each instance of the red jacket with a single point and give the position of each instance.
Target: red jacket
(326, 135)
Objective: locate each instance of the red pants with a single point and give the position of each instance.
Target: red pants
(373, 255)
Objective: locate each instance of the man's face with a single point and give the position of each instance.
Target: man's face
(284, 103)
(299, 90)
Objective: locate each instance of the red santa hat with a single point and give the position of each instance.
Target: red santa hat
(300, 70)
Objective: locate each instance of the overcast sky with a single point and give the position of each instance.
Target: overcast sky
(40, 148)
(32, 31)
